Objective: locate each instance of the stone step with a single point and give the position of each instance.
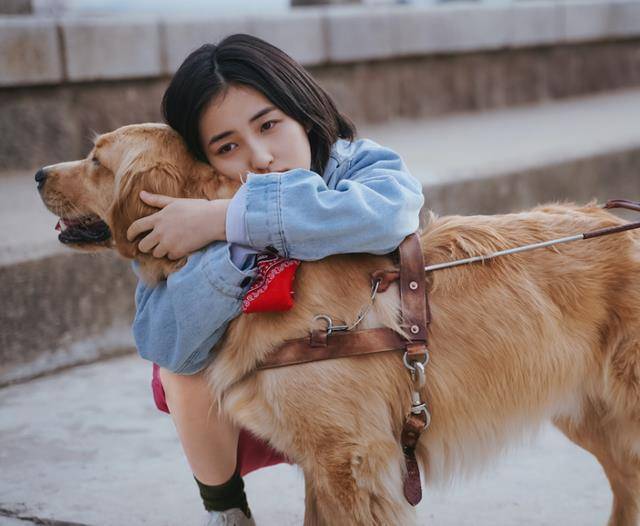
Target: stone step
(57, 307)
(492, 162)
(60, 308)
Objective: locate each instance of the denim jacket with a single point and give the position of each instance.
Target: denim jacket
(365, 201)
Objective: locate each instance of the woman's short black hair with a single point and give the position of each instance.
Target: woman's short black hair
(249, 61)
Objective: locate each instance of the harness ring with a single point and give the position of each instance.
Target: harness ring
(405, 360)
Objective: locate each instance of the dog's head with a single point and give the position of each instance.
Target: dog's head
(97, 198)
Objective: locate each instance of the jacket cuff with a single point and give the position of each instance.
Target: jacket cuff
(263, 220)
(226, 277)
(243, 257)
(236, 231)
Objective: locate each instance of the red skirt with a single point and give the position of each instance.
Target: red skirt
(253, 453)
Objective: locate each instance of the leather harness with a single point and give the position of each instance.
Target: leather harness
(322, 344)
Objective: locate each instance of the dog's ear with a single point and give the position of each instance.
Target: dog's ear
(205, 183)
(128, 207)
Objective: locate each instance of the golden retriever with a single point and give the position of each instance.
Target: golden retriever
(551, 334)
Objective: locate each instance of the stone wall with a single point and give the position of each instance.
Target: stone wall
(16, 7)
(60, 80)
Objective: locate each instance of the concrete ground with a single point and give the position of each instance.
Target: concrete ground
(86, 446)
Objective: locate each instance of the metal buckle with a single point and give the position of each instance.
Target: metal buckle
(330, 326)
(337, 328)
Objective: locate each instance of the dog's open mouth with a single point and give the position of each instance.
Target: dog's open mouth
(83, 230)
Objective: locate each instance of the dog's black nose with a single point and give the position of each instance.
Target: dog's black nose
(41, 177)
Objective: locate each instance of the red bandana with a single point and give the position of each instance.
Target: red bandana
(273, 288)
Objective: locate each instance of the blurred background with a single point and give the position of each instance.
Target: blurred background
(495, 105)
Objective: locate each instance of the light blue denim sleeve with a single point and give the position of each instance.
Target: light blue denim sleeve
(235, 229)
(373, 206)
(235, 220)
(179, 320)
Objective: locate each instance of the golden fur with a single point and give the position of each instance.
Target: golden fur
(550, 334)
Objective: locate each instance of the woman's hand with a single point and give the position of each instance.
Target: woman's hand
(181, 226)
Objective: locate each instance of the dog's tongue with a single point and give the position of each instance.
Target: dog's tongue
(67, 223)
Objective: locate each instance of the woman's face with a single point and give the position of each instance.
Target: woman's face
(243, 132)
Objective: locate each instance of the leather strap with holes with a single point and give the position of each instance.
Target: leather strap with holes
(415, 317)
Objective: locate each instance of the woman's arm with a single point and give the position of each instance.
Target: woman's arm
(178, 321)
(375, 204)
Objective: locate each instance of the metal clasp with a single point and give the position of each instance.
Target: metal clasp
(330, 326)
(417, 375)
(427, 416)
(337, 328)
(417, 370)
(424, 362)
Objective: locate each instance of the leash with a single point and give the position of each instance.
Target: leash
(614, 203)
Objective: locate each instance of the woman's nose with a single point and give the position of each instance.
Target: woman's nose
(261, 160)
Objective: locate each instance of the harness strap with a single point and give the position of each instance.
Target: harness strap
(338, 345)
(414, 424)
(322, 345)
(415, 312)
(415, 315)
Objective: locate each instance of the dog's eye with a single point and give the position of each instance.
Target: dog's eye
(95, 160)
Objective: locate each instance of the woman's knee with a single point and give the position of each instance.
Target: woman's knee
(177, 386)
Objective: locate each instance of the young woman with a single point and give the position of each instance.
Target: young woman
(310, 190)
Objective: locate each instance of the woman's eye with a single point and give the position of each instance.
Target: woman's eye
(226, 148)
(268, 125)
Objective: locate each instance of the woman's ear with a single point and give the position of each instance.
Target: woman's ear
(128, 207)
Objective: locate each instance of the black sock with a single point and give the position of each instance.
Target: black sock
(225, 496)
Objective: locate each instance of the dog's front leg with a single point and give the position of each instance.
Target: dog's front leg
(356, 483)
(311, 511)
